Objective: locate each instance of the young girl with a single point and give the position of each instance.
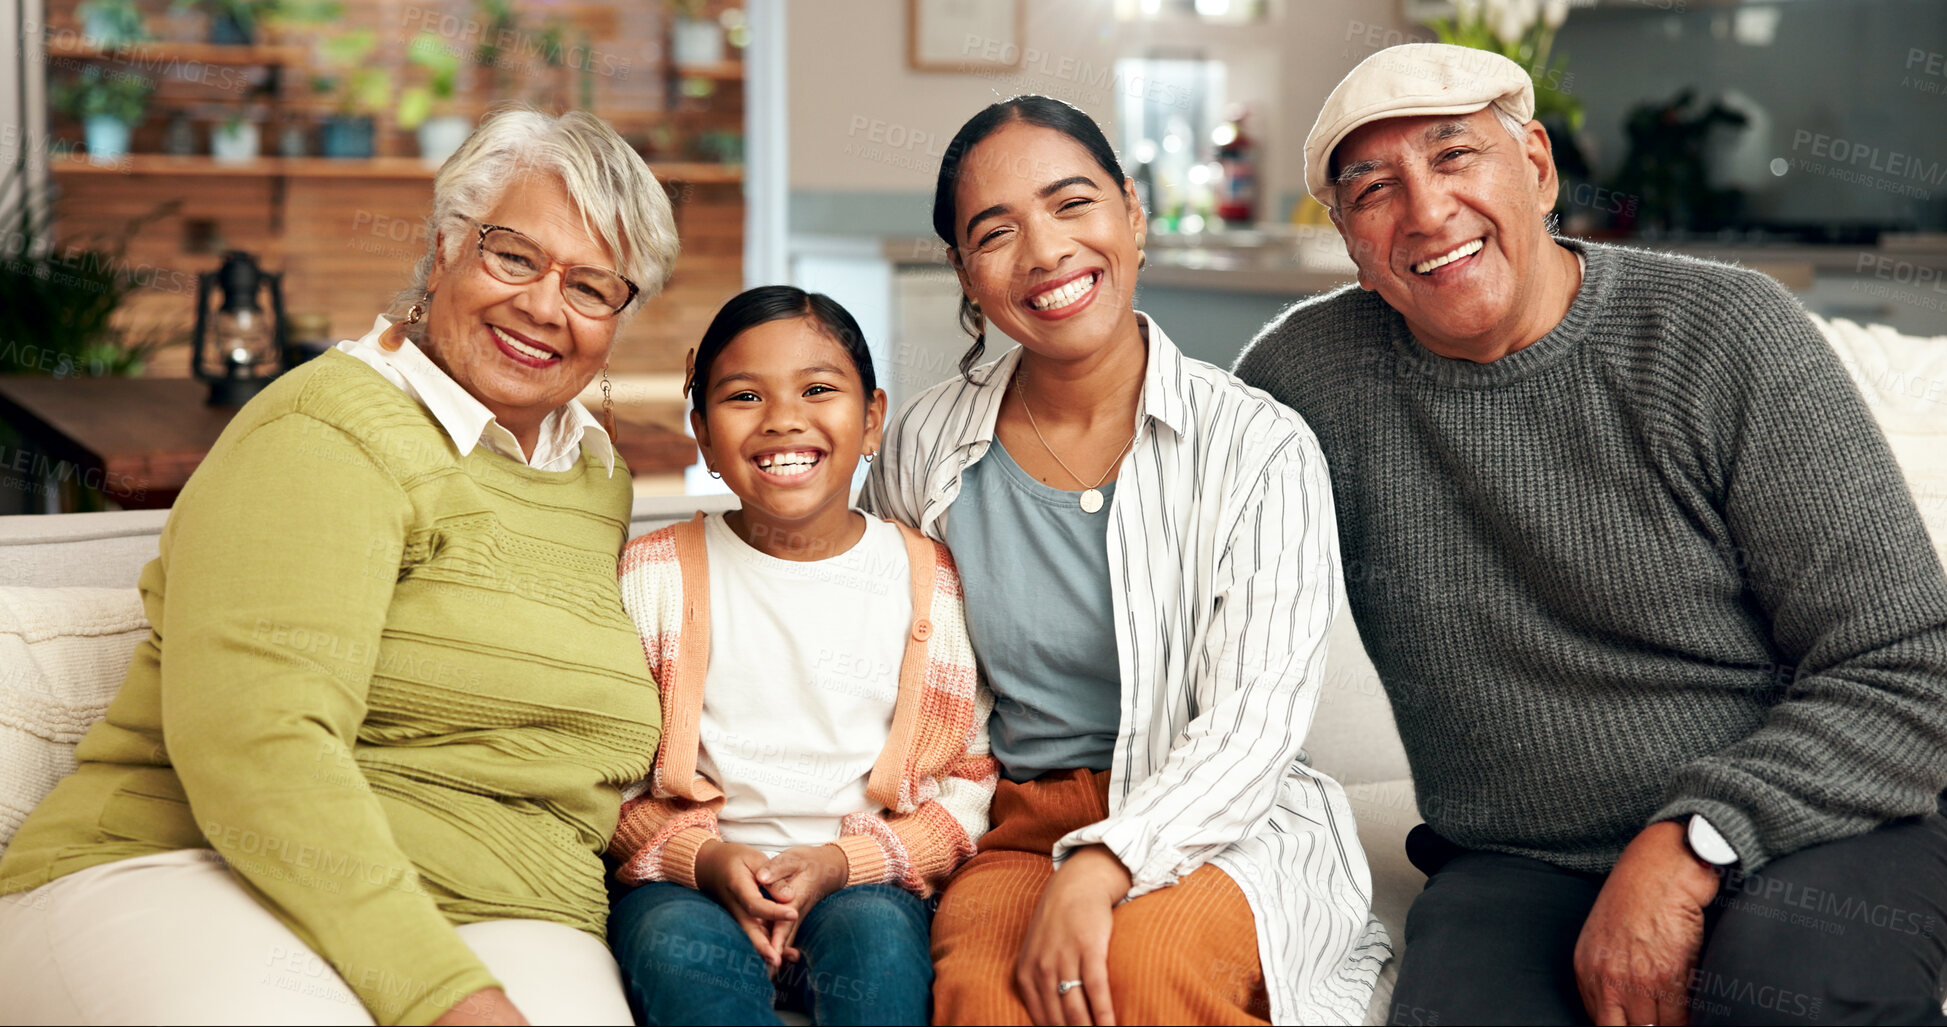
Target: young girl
(824, 762)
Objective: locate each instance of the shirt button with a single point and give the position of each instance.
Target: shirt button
(922, 629)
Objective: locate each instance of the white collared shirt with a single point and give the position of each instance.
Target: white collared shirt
(566, 432)
(1224, 577)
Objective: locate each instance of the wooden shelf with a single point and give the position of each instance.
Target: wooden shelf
(722, 70)
(697, 172)
(161, 55)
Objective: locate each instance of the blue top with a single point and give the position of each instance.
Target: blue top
(1035, 571)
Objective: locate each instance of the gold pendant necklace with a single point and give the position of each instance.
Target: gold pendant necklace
(1091, 494)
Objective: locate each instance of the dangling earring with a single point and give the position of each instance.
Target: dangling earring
(714, 474)
(868, 458)
(608, 406)
(395, 336)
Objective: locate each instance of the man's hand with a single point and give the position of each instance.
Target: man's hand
(486, 1006)
(799, 877)
(1642, 938)
(1068, 940)
(727, 872)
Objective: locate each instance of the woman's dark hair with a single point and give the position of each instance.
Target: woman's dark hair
(1033, 110)
(768, 303)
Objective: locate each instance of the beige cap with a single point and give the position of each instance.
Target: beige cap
(1408, 81)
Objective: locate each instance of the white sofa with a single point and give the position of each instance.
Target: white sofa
(70, 617)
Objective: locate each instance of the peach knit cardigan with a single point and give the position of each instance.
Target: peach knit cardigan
(932, 783)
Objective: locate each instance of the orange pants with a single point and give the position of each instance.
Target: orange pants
(1182, 954)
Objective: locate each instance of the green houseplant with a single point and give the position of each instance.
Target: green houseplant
(108, 103)
(420, 106)
(57, 314)
(111, 23)
(236, 140)
(359, 93)
(235, 22)
(57, 302)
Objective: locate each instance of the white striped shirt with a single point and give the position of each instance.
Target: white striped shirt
(1224, 573)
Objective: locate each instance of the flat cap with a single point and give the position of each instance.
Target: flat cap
(1408, 81)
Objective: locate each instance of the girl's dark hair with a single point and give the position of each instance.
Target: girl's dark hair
(768, 303)
(1034, 110)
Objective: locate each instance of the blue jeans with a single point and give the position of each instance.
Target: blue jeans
(866, 959)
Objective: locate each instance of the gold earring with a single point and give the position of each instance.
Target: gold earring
(608, 405)
(395, 337)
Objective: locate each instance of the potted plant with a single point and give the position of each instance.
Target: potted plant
(439, 134)
(235, 22)
(64, 297)
(695, 39)
(108, 103)
(359, 91)
(108, 24)
(235, 140)
(498, 21)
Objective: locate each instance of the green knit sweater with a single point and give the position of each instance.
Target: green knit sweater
(394, 687)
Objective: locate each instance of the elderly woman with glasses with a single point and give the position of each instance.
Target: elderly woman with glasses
(365, 765)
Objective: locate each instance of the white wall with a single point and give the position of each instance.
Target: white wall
(863, 121)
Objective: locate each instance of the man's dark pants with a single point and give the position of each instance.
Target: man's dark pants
(1852, 931)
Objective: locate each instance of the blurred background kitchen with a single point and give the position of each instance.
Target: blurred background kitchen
(143, 143)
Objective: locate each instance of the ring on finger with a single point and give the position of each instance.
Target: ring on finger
(1065, 987)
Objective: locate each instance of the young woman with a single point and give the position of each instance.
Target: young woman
(824, 765)
(1150, 565)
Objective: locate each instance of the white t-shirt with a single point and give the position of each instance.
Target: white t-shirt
(803, 675)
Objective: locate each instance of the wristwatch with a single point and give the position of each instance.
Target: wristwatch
(1706, 844)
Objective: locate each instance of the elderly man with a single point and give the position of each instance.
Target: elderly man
(1661, 627)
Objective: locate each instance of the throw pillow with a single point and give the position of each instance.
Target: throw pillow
(63, 654)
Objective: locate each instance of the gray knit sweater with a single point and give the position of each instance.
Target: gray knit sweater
(1659, 562)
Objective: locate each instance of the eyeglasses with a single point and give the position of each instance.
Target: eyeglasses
(513, 258)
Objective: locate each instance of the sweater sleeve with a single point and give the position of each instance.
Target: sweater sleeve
(1835, 556)
(919, 850)
(1256, 683)
(658, 839)
(282, 557)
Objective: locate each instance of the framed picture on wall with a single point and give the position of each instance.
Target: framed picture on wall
(963, 35)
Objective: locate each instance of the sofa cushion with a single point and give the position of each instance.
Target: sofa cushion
(98, 550)
(1904, 381)
(1352, 737)
(1385, 811)
(63, 654)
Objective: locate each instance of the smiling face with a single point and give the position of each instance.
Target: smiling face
(521, 350)
(785, 419)
(1444, 217)
(1047, 241)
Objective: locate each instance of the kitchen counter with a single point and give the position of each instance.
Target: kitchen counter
(1302, 260)
(1214, 291)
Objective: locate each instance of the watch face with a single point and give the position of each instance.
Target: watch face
(1707, 844)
